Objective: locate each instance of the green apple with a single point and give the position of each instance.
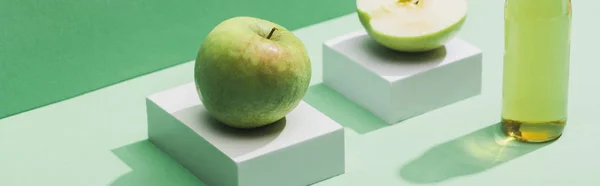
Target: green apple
(412, 25)
(251, 72)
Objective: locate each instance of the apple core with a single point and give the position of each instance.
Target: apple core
(415, 2)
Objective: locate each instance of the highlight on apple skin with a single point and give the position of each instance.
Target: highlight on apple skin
(251, 72)
(412, 25)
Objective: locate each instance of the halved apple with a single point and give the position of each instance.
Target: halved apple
(412, 25)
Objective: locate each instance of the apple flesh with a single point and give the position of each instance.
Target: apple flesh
(412, 25)
(251, 72)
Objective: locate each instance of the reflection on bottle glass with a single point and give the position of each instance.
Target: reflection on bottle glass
(536, 68)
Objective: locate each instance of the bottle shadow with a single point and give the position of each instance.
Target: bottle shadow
(151, 167)
(342, 110)
(470, 154)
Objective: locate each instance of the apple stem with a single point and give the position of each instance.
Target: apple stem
(271, 33)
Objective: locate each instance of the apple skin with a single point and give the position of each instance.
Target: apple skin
(421, 43)
(245, 80)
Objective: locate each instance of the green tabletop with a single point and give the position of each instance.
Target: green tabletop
(99, 138)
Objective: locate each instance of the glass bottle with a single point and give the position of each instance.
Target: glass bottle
(536, 68)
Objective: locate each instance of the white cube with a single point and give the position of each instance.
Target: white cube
(303, 148)
(398, 85)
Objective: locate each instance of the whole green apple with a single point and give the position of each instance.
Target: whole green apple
(412, 25)
(251, 72)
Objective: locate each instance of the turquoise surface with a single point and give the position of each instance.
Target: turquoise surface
(99, 138)
(52, 50)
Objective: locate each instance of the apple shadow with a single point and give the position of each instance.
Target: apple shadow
(232, 141)
(151, 167)
(473, 153)
(342, 110)
(397, 63)
(273, 130)
(387, 62)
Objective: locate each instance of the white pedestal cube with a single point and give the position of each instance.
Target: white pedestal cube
(303, 148)
(397, 85)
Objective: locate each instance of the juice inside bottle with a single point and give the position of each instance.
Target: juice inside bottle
(536, 68)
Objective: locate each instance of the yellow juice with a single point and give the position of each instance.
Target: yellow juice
(536, 68)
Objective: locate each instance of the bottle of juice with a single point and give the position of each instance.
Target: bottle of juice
(536, 68)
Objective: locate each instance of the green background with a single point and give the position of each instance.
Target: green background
(100, 138)
(51, 50)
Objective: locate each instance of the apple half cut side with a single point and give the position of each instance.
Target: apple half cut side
(412, 25)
